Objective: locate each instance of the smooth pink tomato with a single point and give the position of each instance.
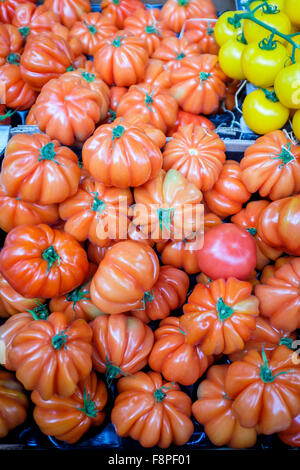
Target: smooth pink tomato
(228, 251)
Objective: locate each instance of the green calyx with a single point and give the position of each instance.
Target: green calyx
(148, 101)
(40, 312)
(209, 30)
(112, 371)
(88, 77)
(148, 297)
(97, 205)
(270, 95)
(235, 21)
(180, 56)
(47, 152)
(286, 156)
(89, 407)
(241, 38)
(59, 340)
(13, 58)
(117, 132)
(252, 231)
(116, 2)
(266, 373)
(51, 257)
(76, 295)
(203, 77)
(182, 3)
(92, 29)
(25, 30)
(112, 115)
(150, 29)
(160, 393)
(288, 342)
(224, 310)
(117, 42)
(164, 218)
(268, 44)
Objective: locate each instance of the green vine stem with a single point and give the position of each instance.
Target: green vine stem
(288, 342)
(270, 95)
(148, 297)
(40, 312)
(164, 217)
(236, 19)
(78, 294)
(9, 113)
(89, 407)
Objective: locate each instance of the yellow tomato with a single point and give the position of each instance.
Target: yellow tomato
(230, 59)
(292, 9)
(261, 66)
(256, 33)
(287, 86)
(224, 30)
(296, 124)
(262, 115)
(290, 48)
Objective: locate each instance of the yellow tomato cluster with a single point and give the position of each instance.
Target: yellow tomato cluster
(249, 51)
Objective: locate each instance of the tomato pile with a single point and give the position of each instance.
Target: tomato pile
(262, 45)
(100, 295)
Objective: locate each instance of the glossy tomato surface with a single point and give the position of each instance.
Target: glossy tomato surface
(228, 251)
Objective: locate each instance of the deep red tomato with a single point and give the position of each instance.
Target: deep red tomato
(228, 251)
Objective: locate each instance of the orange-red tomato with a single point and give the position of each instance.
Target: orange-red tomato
(68, 11)
(176, 12)
(166, 207)
(128, 270)
(265, 390)
(45, 56)
(121, 59)
(18, 94)
(272, 166)
(74, 42)
(202, 33)
(156, 106)
(164, 411)
(184, 119)
(172, 50)
(30, 19)
(68, 110)
(248, 219)
(270, 269)
(11, 302)
(13, 325)
(4, 115)
(95, 212)
(8, 7)
(279, 296)
(157, 74)
(68, 419)
(13, 403)
(91, 29)
(278, 225)
(121, 155)
(39, 261)
(182, 254)
(220, 317)
(14, 212)
(198, 84)
(52, 356)
(11, 42)
(197, 153)
(96, 253)
(118, 10)
(121, 345)
(174, 357)
(116, 93)
(229, 193)
(291, 436)
(38, 170)
(265, 336)
(168, 293)
(146, 25)
(213, 409)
